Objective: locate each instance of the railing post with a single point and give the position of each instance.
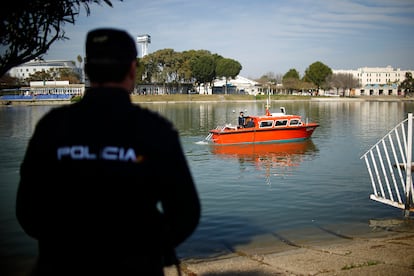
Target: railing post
(408, 180)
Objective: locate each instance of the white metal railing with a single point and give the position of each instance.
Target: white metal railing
(220, 128)
(389, 166)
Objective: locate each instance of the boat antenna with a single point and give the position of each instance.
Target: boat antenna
(268, 103)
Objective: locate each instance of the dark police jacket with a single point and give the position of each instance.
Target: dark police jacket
(93, 179)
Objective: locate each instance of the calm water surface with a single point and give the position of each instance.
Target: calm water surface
(246, 192)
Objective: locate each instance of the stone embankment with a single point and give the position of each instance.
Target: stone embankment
(387, 250)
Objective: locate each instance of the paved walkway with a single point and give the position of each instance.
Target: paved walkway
(385, 251)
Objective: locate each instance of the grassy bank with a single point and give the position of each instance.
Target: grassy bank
(213, 98)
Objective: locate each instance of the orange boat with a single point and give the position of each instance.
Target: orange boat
(271, 127)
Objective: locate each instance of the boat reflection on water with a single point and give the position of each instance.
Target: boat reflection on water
(273, 158)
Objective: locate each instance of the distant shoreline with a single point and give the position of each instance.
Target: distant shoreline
(172, 98)
(260, 98)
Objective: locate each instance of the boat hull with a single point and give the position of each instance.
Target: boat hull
(262, 135)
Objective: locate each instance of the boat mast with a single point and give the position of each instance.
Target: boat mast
(268, 103)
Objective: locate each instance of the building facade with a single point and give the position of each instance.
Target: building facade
(376, 81)
(24, 70)
(55, 87)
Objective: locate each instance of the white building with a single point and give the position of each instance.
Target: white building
(55, 87)
(376, 80)
(376, 75)
(24, 70)
(242, 85)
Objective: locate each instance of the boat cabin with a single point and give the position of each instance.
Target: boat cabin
(268, 122)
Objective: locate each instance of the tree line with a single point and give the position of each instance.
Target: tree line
(317, 76)
(198, 67)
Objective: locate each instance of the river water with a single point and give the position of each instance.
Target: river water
(246, 192)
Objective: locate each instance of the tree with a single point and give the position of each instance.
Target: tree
(29, 27)
(408, 84)
(164, 61)
(291, 74)
(227, 68)
(150, 65)
(40, 75)
(55, 74)
(69, 75)
(270, 80)
(342, 80)
(80, 60)
(184, 70)
(7, 82)
(203, 68)
(270, 77)
(291, 80)
(140, 71)
(317, 73)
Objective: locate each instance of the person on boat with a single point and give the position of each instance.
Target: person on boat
(241, 119)
(93, 189)
(249, 122)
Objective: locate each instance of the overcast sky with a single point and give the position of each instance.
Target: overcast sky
(263, 35)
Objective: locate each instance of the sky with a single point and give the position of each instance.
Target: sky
(263, 35)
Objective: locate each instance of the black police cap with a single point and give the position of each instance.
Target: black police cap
(110, 46)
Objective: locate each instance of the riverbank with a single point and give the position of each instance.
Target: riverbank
(388, 249)
(173, 98)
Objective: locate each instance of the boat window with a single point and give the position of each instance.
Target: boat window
(294, 122)
(281, 123)
(266, 123)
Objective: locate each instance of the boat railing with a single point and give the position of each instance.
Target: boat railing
(390, 167)
(226, 127)
(221, 128)
(208, 138)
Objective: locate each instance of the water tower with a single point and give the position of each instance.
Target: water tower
(144, 40)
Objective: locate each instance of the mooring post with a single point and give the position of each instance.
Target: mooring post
(408, 166)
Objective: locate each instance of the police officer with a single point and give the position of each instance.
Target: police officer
(241, 119)
(105, 187)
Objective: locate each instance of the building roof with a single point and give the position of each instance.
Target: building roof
(238, 81)
(48, 63)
